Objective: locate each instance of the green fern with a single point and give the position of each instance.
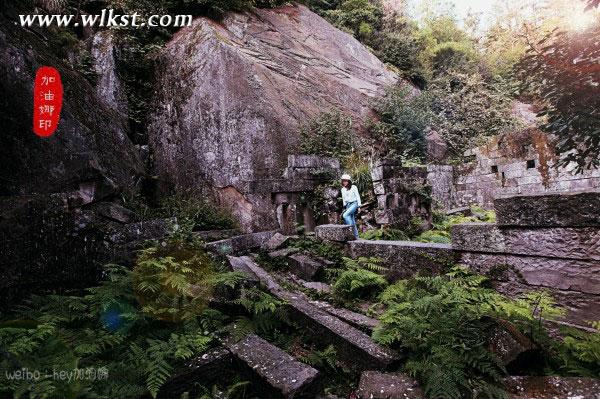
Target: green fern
(358, 283)
(439, 322)
(106, 327)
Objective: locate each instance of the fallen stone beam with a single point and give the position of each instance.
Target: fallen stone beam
(240, 266)
(510, 345)
(334, 232)
(558, 242)
(321, 288)
(239, 244)
(406, 258)
(377, 385)
(206, 369)
(354, 347)
(278, 374)
(356, 319)
(283, 253)
(579, 209)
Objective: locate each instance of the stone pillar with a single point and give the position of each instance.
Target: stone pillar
(402, 193)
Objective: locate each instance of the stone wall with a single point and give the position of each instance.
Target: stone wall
(517, 163)
(541, 242)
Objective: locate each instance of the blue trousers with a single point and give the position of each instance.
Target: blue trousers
(349, 216)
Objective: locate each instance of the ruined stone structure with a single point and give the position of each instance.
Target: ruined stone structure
(522, 162)
(402, 193)
(541, 242)
(302, 175)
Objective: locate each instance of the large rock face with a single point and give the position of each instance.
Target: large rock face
(55, 192)
(90, 144)
(231, 97)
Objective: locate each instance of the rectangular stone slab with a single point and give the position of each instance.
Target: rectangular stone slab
(550, 387)
(580, 209)
(376, 385)
(334, 232)
(556, 242)
(353, 347)
(405, 258)
(281, 374)
(580, 307)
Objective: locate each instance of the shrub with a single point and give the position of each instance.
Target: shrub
(329, 134)
(403, 119)
(435, 236)
(359, 17)
(174, 282)
(357, 278)
(579, 352)
(102, 330)
(384, 234)
(467, 109)
(197, 213)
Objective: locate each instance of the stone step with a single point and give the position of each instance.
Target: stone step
(377, 385)
(577, 209)
(277, 373)
(405, 258)
(353, 346)
(334, 232)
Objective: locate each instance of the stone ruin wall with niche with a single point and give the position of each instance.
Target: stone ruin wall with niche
(518, 163)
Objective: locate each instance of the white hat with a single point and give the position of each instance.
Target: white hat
(346, 177)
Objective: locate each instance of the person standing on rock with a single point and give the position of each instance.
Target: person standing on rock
(351, 200)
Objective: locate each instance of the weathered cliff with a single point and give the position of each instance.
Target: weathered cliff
(232, 95)
(55, 192)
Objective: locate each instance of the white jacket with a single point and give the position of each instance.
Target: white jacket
(351, 195)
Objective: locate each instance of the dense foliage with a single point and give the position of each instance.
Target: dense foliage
(105, 331)
(360, 279)
(328, 134)
(562, 70)
(439, 321)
